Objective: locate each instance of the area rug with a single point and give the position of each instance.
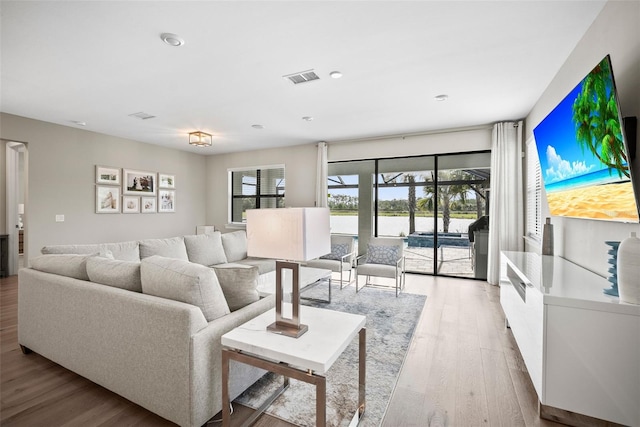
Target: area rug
(390, 325)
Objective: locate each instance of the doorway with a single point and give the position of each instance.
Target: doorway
(16, 204)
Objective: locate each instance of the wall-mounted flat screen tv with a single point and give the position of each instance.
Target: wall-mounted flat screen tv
(583, 153)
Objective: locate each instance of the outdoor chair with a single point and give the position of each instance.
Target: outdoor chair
(340, 259)
(384, 258)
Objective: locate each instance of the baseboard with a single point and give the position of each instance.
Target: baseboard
(572, 418)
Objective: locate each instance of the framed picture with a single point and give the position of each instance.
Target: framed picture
(130, 204)
(166, 181)
(166, 201)
(139, 183)
(107, 175)
(107, 199)
(148, 204)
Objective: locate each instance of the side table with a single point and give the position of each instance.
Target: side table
(306, 359)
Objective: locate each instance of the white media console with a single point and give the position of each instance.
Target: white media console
(581, 346)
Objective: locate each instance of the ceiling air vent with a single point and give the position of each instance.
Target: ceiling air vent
(302, 77)
(142, 116)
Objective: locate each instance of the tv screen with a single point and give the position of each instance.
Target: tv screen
(584, 157)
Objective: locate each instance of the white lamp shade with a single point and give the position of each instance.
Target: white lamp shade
(295, 234)
(21, 208)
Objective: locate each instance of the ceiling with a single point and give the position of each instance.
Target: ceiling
(98, 62)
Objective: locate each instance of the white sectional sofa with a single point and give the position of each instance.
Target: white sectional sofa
(142, 320)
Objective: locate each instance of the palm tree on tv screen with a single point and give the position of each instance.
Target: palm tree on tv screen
(595, 114)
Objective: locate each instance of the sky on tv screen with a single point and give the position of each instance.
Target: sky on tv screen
(564, 164)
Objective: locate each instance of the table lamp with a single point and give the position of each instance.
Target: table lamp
(289, 235)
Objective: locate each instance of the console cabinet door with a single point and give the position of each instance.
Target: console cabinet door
(592, 364)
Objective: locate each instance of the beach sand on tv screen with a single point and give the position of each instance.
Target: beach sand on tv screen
(614, 202)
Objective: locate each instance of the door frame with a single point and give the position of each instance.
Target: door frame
(14, 179)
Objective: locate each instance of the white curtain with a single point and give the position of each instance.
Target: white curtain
(506, 217)
(322, 190)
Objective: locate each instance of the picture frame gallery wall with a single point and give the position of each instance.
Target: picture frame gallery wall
(130, 191)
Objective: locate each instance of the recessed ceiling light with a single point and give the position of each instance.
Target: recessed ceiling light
(335, 74)
(172, 39)
(441, 97)
(257, 126)
(78, 122)
(307, 118)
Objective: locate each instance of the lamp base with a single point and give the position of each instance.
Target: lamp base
(287, 329)
(288, 326)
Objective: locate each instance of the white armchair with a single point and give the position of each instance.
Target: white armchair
(384, 258)
(339, 260)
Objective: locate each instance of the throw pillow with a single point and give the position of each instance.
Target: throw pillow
(382, 254)
(170, 248)
(238, 282)
(205, 249)
(116, 273)
(235, 245)
(106, 253)
(124, 251)
(338, 250)
(184, 281)
(69, 265)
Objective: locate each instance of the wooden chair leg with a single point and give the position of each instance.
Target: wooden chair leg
(25, 350)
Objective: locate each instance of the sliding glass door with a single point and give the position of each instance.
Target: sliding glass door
(402, 210)
(463, 209)
(438, 204)
(350, 199)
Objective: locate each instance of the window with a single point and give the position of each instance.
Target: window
(534, 193)
(257, 188)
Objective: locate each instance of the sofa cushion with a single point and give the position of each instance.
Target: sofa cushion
(238, 283)
(116, 273)
(205, 249)
(125, 251)
(235, 245)
(170, 248)
(184, 281)
(69, 265)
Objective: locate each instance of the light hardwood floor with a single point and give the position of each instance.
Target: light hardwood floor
(463, 368)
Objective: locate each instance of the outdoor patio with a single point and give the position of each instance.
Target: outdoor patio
(452, 260)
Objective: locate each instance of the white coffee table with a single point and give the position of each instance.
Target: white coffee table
(307, 358)
(309, 278)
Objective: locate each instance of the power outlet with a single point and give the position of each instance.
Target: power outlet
(59, 218)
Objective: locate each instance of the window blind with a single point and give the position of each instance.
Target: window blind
(533, 206)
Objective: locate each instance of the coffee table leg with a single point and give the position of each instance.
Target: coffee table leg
(321, 401)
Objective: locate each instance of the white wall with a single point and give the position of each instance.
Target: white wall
(300, 177)
(61, 181)
(616, 32)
